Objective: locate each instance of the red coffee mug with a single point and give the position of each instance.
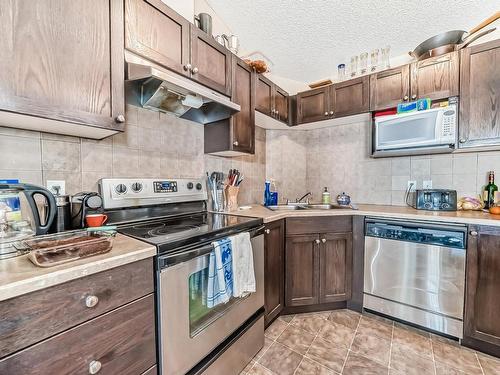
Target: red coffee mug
(96, 220)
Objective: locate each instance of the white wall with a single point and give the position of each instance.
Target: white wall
(184, 7)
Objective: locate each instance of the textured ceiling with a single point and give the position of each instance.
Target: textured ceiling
(306, 39)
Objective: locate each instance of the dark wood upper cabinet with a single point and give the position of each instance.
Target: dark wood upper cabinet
(435, 78)
(210, 61)
(63, 61)
(301, 270)
(263, 95)
(480, 95)
(281, 105)
(482, 302)
(271, 100)
(274, 270)
(156, 32)
(389, 87)
(236, 134)
(350, 97)
(335, 267)
(313, 105)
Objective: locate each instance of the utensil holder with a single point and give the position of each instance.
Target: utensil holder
(232, 197)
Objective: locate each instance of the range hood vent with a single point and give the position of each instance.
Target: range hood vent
(161, 90)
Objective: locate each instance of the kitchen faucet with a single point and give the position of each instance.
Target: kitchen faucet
(306, 195)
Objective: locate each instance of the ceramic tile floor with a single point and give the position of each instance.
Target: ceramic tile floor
(345, 342)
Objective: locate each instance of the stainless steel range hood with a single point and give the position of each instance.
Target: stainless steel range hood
(161, 90)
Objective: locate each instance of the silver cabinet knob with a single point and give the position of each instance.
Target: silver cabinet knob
(405, 97)
(331, 113)
(326, 113)
(235, 143)
(323, 240)
(120, 119)
(414, 96)
(194, 70)
(94, 367)
(267, 231)
(462, 140)
(91, 301)
(317, 242)
(187, 67)
(273, 111)
(473, 233)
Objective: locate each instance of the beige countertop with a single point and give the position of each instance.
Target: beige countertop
(19, 276)
(398, 212)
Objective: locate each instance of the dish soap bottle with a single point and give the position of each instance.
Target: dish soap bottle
(326, 196)
(267, 194)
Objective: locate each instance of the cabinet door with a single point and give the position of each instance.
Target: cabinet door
(335, 267)
(63, 60)
(350, 97)
(389, 87)
(211, 62)
(482, 302)
(264, 95)
(480, 95)
(435, 78)
(313, 105)
(302, 270)
(156, 32)
(274, 270)
(281, 105)
(243, 122)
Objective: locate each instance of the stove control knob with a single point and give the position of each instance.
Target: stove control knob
(121, 189)
(136, 187)
(198, 186)
(190, 185)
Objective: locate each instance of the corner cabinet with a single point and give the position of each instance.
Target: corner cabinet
(63, 61)
(482, 303)
(236, 135)
(480, 95)
(318, 263)
(313, 105)
(274, 270)
(271, 100)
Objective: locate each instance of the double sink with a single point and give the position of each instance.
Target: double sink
(306, 206)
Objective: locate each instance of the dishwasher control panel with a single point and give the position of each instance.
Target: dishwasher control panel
(418, 233)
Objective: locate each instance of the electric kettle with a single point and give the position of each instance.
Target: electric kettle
(20, 217)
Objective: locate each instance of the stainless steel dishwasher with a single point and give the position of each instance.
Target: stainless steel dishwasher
(415, 272)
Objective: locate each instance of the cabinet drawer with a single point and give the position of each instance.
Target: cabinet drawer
(324, 224)
(32, 317)
(121, 342)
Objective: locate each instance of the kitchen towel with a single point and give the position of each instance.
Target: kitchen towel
(243, 270)
(220, 273)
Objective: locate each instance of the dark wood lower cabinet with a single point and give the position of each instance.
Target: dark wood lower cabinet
(120, 342)
(482, 300)
(274, 270)
(335, 258)
(302, 270)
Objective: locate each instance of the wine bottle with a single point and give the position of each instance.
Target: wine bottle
(490, 192)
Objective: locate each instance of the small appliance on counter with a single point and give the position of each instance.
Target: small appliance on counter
(20, 217)
(62, 221)
(343, 199)
(433, 199)
(83, 204)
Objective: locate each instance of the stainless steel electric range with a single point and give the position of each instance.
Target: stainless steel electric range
(172, 215)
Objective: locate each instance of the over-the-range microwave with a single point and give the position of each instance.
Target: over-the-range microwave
(423, 132)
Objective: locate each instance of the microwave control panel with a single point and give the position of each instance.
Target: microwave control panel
(449, 123)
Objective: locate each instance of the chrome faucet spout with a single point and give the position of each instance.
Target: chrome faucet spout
(303, 197)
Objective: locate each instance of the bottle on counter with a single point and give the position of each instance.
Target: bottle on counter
(325, 199)
(273, 197)
(267, 193)
(490, 192)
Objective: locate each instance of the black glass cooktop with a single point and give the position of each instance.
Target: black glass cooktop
(173, 233)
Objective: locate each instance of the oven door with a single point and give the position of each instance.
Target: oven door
(189, 330)
(416, 129)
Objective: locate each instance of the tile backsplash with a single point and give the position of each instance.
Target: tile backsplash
(153, 145)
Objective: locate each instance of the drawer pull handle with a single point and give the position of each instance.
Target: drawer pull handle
(91, 301)
(95, 367)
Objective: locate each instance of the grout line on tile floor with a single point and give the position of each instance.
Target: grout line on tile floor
(390, 349)
(478, 361)
(433, 357)
(307, 351)
(350, 345)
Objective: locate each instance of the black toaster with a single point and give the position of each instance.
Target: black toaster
(433, 199)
